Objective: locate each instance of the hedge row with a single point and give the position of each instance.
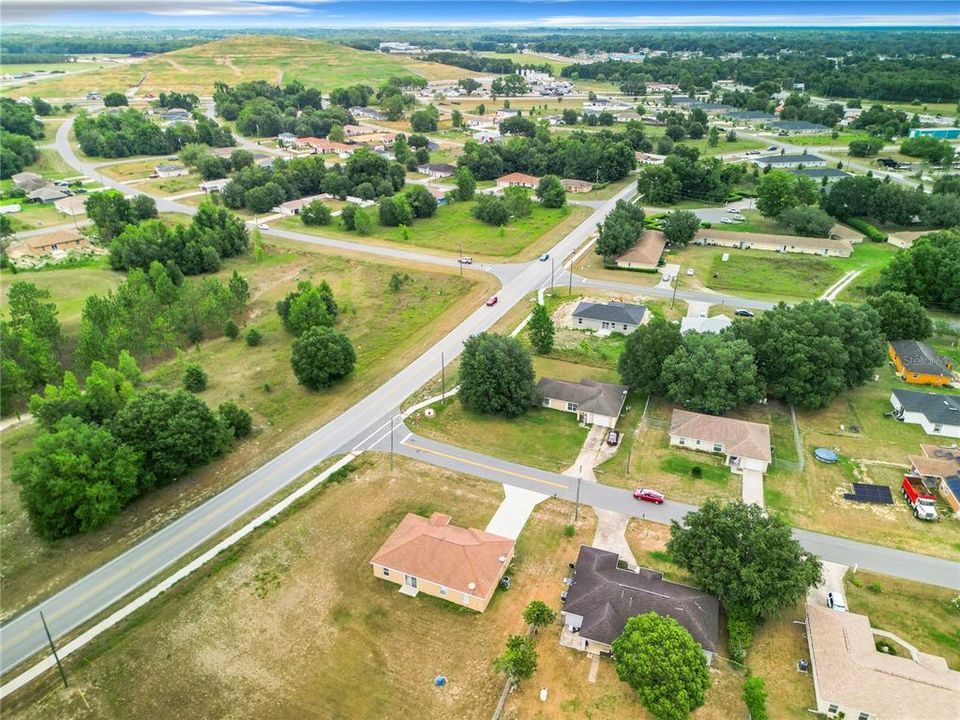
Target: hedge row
(873, 233)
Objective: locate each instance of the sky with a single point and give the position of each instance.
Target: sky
(425, 14)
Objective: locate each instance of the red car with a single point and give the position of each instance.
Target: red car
(648, 495)
(493, 301)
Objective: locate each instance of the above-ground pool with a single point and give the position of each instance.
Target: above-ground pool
(825, 455)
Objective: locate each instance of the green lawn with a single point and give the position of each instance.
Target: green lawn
(51, 166)
(454, 227)
(754, 222)
(827, 139)
(722, 148)
(36, 216)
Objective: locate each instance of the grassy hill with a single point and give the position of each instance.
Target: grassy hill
(314, 62)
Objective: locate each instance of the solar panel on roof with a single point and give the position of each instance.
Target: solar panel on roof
(876, 494)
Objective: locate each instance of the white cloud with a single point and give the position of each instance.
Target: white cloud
(751, 20)
(26, 10)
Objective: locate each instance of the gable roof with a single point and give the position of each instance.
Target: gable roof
(518, 177)
(591, 396)
(789, 159)
(647, 250)
(821, 172)
(705, 324)
(937, 462)
(462, 559)
(47, 241)
(739, 437)
(616, 312)
(937, 408)
(606, 597)
(918, 357)
(438, 167)
(47, 193)
(797, 125)
(849, 670)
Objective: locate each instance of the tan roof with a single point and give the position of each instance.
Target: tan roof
(739, 437)
(73, 205)
(301, 202)
(772, 239)
(324, 145)
(574, 183)
(463, 559)
(518, 178)
(849, 670)
(57, 237)
(648, 249)
(936, 461)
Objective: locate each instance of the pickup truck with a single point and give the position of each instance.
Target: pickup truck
(919, 499)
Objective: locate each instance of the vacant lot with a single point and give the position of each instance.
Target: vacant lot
(293, 623)
(454, 228)
(318, 63)
(388, 330)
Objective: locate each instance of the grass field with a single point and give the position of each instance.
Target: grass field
(827, 140)
(723, 147)
(388, 330)
(243, 58)
(293, 618)
(36, 216)
(454, 227)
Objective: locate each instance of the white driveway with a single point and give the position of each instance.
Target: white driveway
(514, 511)
(753, 487)
(832, 580)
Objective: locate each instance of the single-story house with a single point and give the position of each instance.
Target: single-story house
(323, 146)
(28, 181)
(517, 180)
(169, 170)
(798, 127)
(352, 130)
(646, 254)
(481, 121)
(437, 170)
(744, 445)
(576, 186)
(58, 242)
(176, 115)
(47, 194)
(73, 205)
(504, 113)
(293, 207)
(784, 162)
(937, 414)
(649, 158)
(429, 555)
(215, 186)
(826, 247)
(595, 403)
(939, 467)
(749, 116)
(919, 364)
(486, 136)
(367, 112)
(608, 317)
(286, 139)
(714, 324)
(850, 675)
(10, 209)
(818, 174)
(602, 597)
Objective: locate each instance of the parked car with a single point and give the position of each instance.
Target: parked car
(837, 601)
(563, 596)
(493, 301)
(743, 312)
(648, 495)
(544, 257)
(689, 271)
(665, 277)
(773, 148)
(917, 497)
(263, 226)
(752, 152)
(727, 221)
(734, 211)
(466, 260)
(613, 438)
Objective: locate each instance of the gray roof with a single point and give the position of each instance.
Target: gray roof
(168, 167)
(616, 312)
(789, 159)
(47, 193)
(750, 115)
(27, 181)
(708, 106)
(936, 408)
(606, 597)
(918, 357)
(797, 125)
(591, 396)
(439, 167)
(821, 172)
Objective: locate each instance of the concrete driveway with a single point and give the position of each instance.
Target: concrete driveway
(832, 581)
(514, 511)
(716, 214)
(753, 487)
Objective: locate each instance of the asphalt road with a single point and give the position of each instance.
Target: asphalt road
(897, 563)
(23, 636)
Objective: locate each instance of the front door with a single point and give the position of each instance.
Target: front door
(410, 580)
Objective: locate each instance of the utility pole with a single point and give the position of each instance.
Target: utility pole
(676, 281)
(53, 649)
(576, 512)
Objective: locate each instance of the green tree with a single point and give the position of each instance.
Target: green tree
(110, 212)
(491, 210)
(713, 137)
(114, 99)
(466, 185)
(538, 614)
(541, 330)
(646, 349)
(253, 337)
(550, 192)
(755, 697)
(519, 660)
(902, 316)
(175, 432)
(867, 147)
(75, 479)
(316, 213)
(658, 185)
(620, 230)
(231, 330)
(660, 660)
(680, 227)
(421, 201)
(748, 559)
(807, 221)
(518, 201)
(129, 369)
(496, 375)
(928, 269)
(321, 356)
(235, 418)
(779, 190)
(711, 373)
(362, 221)
(194, 378)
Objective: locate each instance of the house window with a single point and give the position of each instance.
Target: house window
(717, 447)
(698, 443)
(681, 441)
(832, 709)
(386, 572)
(624, 326)
(443, 591)
(546, 402)
(863, 716)
(572, 407)
(579, 321)
(464, 598)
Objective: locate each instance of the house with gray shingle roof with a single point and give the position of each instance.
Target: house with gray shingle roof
(595, 403)
(602, 597)
(936, 413)
(608, 317)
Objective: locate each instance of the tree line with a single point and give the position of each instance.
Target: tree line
(261, 109)
(130, 132)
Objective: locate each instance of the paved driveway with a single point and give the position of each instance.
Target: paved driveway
(514, 511)
(753, 487)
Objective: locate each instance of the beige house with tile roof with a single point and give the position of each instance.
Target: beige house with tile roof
(744, 445)
(429, 555)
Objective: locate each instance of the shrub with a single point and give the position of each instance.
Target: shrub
(231, 330)
(696, 471)
(740, 635)
(571, 530)
(235, 418)
(321, 356)
(875, 587)
(872, 233)
(253, 337)
(194, 379)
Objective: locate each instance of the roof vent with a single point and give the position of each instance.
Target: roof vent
(472, 586)
(502, 558)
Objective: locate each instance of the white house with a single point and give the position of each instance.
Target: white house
(714, 324)
(784, 162)
(744, 445)
(168, 170)
(608, 317)
(437, 171)
(214, 186)
(936, 413)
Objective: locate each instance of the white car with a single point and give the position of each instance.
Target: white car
(727, 221)
(733, 211)
(689, 271)
(665, 277)
(263, 226)
(837, 601)
(466, 260)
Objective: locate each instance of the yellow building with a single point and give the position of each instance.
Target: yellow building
(917, 363)
(429, 555)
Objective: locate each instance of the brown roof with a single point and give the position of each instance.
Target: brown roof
(464, 559)
(60, 238)
(574, 183)
(773, 239)
(518, 178)
(849, 670)
(936, 461)
(739, 437)
(648, 249)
